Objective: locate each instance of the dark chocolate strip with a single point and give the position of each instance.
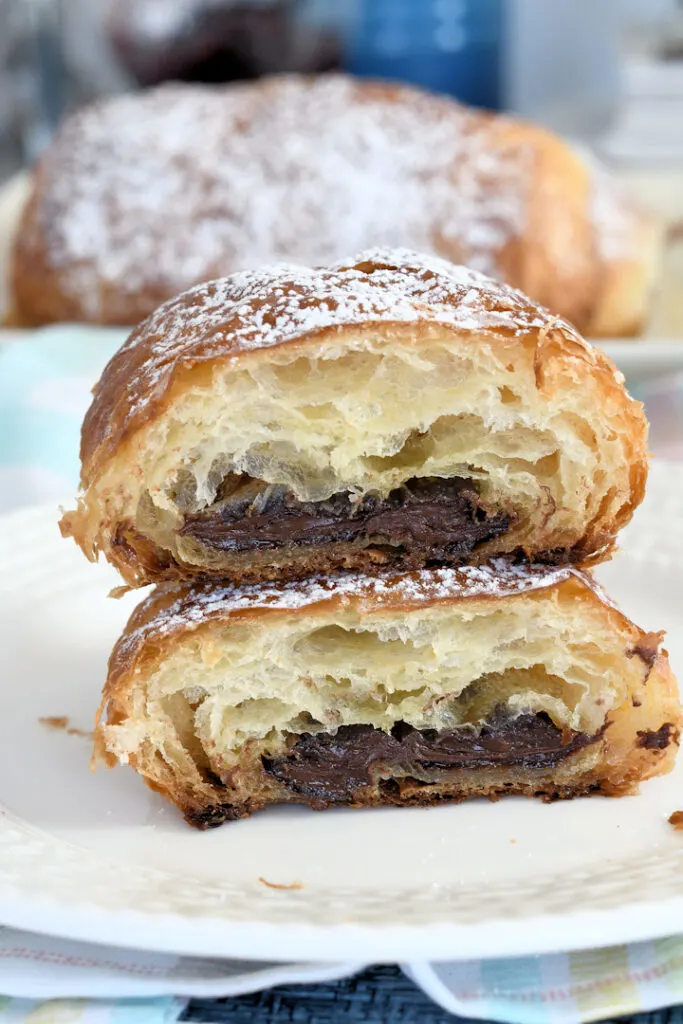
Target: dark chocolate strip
(332, 766)
(658, 739)
(443, 518)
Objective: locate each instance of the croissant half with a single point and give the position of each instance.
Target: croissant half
(393, 410)
(363, 690)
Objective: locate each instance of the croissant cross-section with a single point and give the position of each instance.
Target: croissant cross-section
(364, 690)
(390, 411)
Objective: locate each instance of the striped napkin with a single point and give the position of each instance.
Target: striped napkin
(54, 981)
(590, 985)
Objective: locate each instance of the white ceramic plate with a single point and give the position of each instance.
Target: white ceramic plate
(99, 857)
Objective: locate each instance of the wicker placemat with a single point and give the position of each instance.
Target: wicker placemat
(380, 995)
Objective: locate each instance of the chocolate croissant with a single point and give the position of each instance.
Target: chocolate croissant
(140, 197)
(394, 410)
(363, 690)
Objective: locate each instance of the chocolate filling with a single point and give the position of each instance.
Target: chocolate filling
(657, 739)
(442, 518)
(333, 766)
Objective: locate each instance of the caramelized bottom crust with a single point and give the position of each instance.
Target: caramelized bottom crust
(408, 793)
(141, 561)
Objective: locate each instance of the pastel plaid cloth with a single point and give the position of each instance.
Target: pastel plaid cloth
(562, 989)
(81, 1011)
(590, 985)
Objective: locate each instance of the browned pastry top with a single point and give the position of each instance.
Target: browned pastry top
(175, 607)
(255, 310)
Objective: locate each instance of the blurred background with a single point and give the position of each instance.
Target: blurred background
(607, 72)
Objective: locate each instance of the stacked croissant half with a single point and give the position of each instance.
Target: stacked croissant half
(368, 495)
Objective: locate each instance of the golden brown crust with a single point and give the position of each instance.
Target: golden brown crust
(630, 246)
(96, 244)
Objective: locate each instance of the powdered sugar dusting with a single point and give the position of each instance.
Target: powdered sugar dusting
(257, 309)
(261, 308)
(616, 221)
(615, 218)
(148, 194)
(192, 606)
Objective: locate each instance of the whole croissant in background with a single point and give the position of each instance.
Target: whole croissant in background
(143, 196)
